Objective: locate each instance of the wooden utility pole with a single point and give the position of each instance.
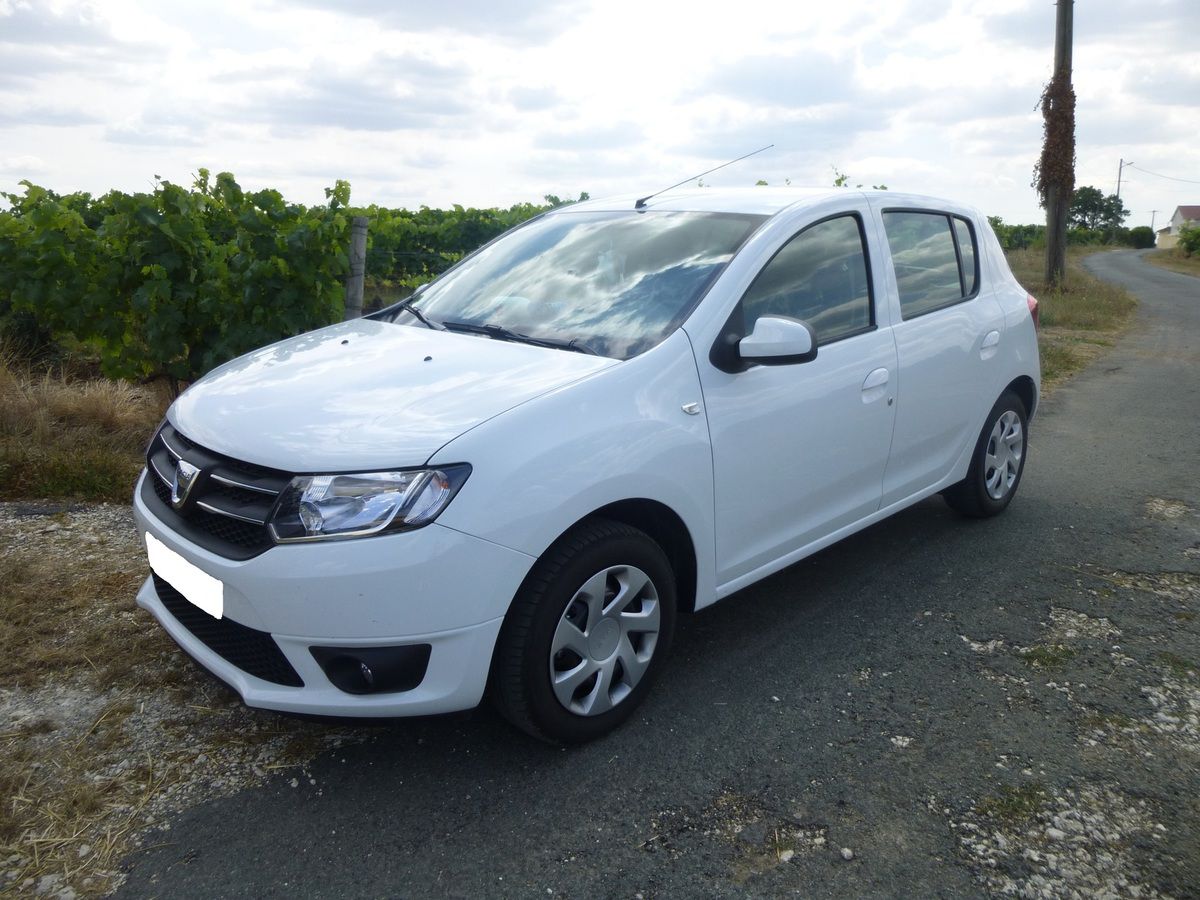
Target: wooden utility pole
(358, 267)
(1055, 171)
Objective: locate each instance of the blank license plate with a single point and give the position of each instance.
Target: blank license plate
(199, 587)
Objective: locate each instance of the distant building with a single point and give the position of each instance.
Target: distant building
(1184, 217)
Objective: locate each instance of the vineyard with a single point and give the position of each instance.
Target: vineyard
(171, 283)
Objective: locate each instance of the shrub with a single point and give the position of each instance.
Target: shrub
(1141, 237)
(1189, 240)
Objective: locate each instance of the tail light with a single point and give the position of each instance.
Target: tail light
(1033, 310)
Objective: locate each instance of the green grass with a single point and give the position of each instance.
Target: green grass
(1078, 320)
(1182, 668)
(1013, 806)
(1048, 656)
(1110, 720)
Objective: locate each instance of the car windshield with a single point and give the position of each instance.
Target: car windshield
(610, 283)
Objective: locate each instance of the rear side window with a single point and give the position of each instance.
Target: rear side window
(934, 258)
(820, 276)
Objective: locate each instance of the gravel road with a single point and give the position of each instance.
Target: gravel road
(934, 707)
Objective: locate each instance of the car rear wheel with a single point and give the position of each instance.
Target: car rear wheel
(586, 634)
(997, 463)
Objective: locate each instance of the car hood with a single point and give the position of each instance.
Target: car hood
(365, 395)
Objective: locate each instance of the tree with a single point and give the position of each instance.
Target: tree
(1090, 208)
(553, 200)
(841, 179)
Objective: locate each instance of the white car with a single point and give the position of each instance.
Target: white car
(515, 481)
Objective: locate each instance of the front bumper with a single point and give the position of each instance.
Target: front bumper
(434, 586)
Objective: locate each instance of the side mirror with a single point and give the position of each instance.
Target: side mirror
(779, 341)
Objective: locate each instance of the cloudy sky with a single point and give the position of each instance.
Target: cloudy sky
(492, 102)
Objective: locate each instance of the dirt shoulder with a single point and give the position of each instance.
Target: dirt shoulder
(105, 728)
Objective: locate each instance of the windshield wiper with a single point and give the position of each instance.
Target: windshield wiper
(407, 306)
(500, 333)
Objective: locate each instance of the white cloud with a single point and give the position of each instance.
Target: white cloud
(492, 102)
(520, 20)
(23, 166)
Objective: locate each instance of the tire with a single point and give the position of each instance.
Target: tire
(997, 462)
(586, 634)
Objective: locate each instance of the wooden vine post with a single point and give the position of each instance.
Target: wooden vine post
(358, 267)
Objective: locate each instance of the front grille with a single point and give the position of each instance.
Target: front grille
(229, 504)
(254, 652)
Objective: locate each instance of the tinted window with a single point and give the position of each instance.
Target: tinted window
(925, 261)
(616, 282)
(819, 276)
(934, 257)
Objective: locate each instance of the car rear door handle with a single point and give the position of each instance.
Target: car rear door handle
(875, 385)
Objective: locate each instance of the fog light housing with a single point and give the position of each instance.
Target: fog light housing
(374, 670)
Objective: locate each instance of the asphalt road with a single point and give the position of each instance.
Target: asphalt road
(853, 701)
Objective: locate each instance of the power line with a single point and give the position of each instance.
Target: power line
(1157, 175)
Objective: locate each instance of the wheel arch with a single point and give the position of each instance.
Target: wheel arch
(1024, 388)
(667, 529)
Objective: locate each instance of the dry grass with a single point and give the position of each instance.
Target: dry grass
(64, 621)
(74, 646)
(104, 725)
(1176, 260)
(1079, 320)
(65, 438)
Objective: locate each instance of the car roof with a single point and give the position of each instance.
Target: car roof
(760, 200)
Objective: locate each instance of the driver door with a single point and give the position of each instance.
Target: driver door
(799, 449)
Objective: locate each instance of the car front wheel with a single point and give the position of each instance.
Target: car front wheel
(586, 634)
(997, 463)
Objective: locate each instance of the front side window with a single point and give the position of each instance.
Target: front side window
(819, 276)
(612, 283)
(934, 258)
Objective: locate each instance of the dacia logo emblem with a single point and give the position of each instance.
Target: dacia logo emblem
(181, 485)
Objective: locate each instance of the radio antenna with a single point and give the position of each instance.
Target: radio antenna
(641, 204)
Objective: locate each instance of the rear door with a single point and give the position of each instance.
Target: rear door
(948, 332)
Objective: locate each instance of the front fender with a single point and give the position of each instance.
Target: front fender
(618, 435)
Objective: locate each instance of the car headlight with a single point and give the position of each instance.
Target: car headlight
(324, 507)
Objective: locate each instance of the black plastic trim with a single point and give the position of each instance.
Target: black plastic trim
(254, 652)
(393, 669)
(192, 530)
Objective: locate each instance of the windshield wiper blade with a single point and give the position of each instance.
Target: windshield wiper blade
(407, 306)
(499, 332)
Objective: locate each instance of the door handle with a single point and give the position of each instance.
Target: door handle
(875, 386)
(878, 378)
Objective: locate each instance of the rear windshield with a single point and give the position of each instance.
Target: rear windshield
(615, 283)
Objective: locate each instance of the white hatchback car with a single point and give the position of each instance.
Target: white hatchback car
(516, 480)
